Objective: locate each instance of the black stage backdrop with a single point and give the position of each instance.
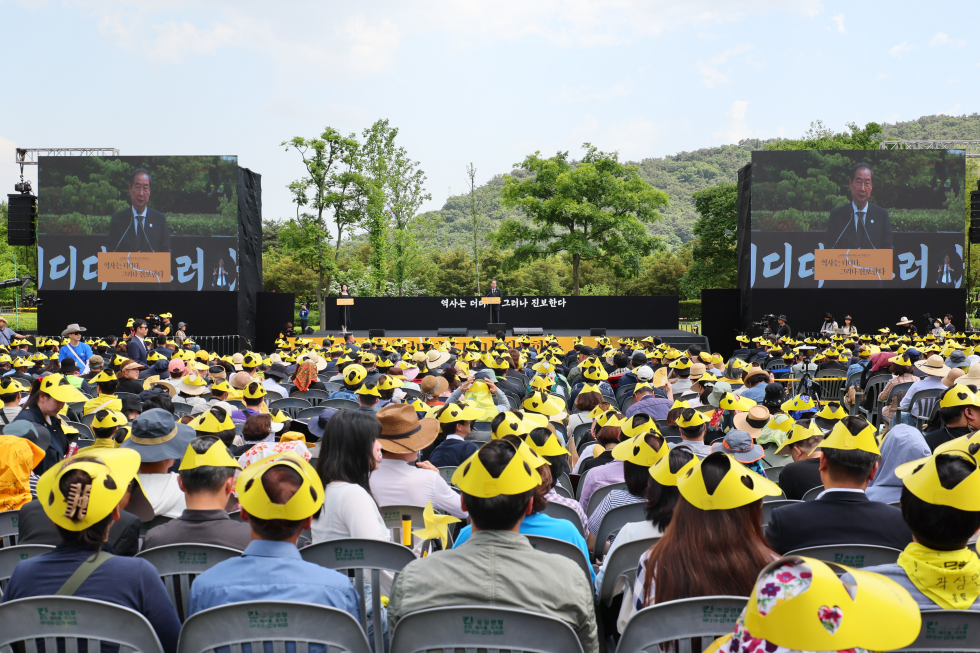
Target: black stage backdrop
(870, 309)
(104, 313)
(274, 310)
(720, 310)
(249, 250)
(549, 313)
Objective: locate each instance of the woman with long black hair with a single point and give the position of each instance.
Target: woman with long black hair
(344, 310)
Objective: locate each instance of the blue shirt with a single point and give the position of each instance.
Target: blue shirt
(303, 313)
(272, 571)
(756, 394)
(344, 394)
(545, 526)
(83, 351)
(130, 582)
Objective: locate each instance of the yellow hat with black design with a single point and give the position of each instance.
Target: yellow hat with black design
(799, 433)
(589, 387)
(595, 373)
(742, 338)
(517, 477)
(354, 374)
(207, 422)
(683, 363)
(958, 395)
(679, 404)
(9, 385)
(110, 471)
(859, 438)
(105, 376)
(543, 367)
(542, 383)
(610, 418)
(216, 456)
(872, 612)
(551, 446)
(222, 386)
(922, 479)
(58, 388)
(255, 501)
(781, 422)
(107, 419)
(739, 486)
(456, 413)
(664, 474)
(254, 390)
(735, 402)
(637, 451)
(798, 403)
(697, 419)
(539, 402)
(511, 424)
(388, 382)
(633, 427)
(370, 389)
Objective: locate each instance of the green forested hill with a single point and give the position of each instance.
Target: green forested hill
(679, 175)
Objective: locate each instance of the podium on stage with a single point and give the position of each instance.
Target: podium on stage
(345, 301)
(489, 300)
(493, 303)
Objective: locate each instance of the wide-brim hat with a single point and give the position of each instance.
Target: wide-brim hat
(756, 371)
(904, 321)
(740, 446)
(73, 328)
(402, 431)
(752, 421)
(157, 436)
(192, 389)
(277, 371)
(933, 366)
(170, 388)
(436, 358)
(972, 377)
(435, 387)
(718, 393)
(318, 423)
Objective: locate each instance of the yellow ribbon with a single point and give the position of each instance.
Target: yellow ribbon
(435, 526)
(950, 578)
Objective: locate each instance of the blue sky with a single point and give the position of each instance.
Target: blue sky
(487, 82)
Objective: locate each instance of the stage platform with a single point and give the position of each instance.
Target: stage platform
(677, 337)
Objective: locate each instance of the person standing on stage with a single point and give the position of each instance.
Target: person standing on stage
(221, 279)
(7, 334)
(75, 349)
(304, 316)
(494, 308)
(344, 310)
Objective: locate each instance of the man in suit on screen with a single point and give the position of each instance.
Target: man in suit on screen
(860, 224)
(138, 228)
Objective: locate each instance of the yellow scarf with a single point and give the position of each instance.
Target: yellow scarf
(943, 576)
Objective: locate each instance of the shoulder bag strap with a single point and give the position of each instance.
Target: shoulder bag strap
(82, 573)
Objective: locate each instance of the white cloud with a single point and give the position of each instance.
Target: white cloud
(839, 19)
(736, 128)
(711, 76)
(583, 93)
(942, 39)
(900, 49)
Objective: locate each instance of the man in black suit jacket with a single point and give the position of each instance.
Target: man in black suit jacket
(221, 278)
(35, 527)
(138, 228)
(860, 224)
(136, 349)
(494, 291)
(842, 514)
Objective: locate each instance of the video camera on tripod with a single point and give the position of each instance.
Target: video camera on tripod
(766, 324)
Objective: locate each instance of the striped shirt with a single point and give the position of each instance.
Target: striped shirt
(614, 499)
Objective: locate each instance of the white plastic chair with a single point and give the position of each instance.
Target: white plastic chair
(684, 619)
(277, 622)
(852, 555)
(11, 555)
(948, 630)
(482, 627)
(179, 564)
(562, 548)
(8, 527)
(72, 619)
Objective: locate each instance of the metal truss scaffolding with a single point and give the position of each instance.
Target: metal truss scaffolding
(972, 148)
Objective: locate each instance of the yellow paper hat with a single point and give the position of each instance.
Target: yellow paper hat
(436, 526)
(10, 385)
(739, 487)
(874, 614)
(517, 477)
(542, 383)
(420, 407)
(958, 395)
(354, 374)
(510, 425)
(663, 474)
(530, 456)
(631, 429)
(697, 419)
(551, 446)
(832, 410)
(370, 389)
(57, 386)
(922, 479)
(595, 373)
(543, 367)
(253, 390)
(679, 404)
(781, 422)
(107, 419)
(456, 413)
(303, 504)
(388, 382)
(799, 402)
(223, 386)
(589, 387)
(216, 456)
(104, 376)
(111, 471)
(610, 418)
(206, 422)
(637, 451)
(595, 412)
(735, 402)
(799, 434)
(538, 402)
(842, 438)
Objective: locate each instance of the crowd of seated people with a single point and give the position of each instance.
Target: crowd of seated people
(108, 449)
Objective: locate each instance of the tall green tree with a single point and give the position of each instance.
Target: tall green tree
(715, 260)
(395, 220)
(333, 196)
(821, 137)
(594, 209)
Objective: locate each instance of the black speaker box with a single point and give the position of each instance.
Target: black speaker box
(597, 332)
(21, 227)
(376, 333)
(494, 327)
